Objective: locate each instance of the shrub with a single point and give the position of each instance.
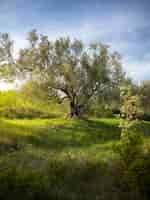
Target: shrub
(130, 147)
(138, 175)
(131, 139)
(100, 111)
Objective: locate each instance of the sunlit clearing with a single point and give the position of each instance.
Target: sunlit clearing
(7, 86)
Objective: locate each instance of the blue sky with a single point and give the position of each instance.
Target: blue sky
(125, 25)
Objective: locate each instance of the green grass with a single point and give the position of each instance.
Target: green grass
(14, 105)
(61, 136)
(59, 158)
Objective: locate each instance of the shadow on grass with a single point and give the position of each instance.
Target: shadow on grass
(80, 133)
(31, 175)
(62, 180)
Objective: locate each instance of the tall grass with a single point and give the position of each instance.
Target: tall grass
(62, 159)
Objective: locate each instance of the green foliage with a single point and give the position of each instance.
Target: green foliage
(65, 179)
(38, 92)
(61, 159)
(144, 95)
(131, 148)
(68, 69)
(131, 145)
(17, 105)
(138, 176)
(5, 48)
(100, 110)
(130, 106)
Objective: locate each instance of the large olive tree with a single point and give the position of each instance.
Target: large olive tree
(70, 69)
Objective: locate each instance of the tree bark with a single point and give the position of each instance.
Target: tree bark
(74, 110)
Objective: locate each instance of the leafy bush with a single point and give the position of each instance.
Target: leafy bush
(138, 175)
(129, 149)
(100, 111)
(131, 138)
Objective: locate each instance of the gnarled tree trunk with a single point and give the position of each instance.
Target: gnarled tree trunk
(75, 110)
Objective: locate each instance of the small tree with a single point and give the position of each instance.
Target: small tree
(144, 93)
(8, 70)
(131, 139)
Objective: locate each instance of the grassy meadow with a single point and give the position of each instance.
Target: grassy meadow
(46, 155)
(61, 159)
(76, 125)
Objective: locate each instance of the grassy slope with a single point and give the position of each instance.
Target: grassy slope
(14, 105)
(61, 136)
(68, 152)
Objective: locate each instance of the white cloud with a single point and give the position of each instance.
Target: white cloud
(138, 70)
(113, 28)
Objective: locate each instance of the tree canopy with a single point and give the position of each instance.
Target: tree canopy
(70, 69)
